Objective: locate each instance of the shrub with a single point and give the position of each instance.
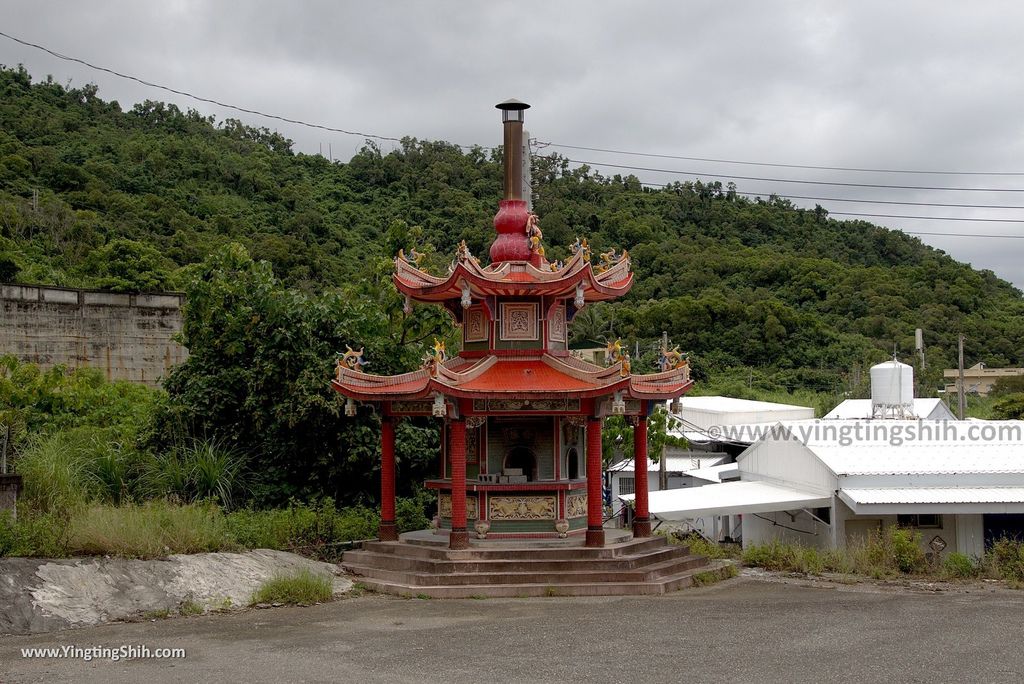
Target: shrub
(314, 529)
(771, 556)
(301, 588)
(892, 550)
(1007, 558)
(151, 530)
(412, 514)
(33, 534)
(905, 546)
(959, 566)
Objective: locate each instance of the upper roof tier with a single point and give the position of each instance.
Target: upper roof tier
(468, 279)
(544, 377)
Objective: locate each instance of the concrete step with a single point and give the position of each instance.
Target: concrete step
(513, 551)
(401, 561)
(661, 585)
(647, 573)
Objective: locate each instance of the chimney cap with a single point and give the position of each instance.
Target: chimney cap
(511, 105)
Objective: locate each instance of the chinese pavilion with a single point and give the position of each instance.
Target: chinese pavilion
(521, 436)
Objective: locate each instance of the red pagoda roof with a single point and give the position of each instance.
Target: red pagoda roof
(609, 280)
(533, 378)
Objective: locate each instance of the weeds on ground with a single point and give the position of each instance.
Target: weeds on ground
(190, 607)
(702, 547)
(888, 553)
(301, 588)
(707, 577)
(151, 530)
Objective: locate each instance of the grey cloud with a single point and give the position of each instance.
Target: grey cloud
(876, 84)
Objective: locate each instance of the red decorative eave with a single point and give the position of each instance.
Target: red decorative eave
(515, 278)
(492, 377)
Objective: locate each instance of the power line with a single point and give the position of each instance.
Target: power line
(667, 186)
(199, 98)
(376, 136)
(748, 193)
(930, 218)
(785, 166)
(790, 180)
(966, 235)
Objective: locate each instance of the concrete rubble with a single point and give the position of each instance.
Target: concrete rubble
(40, 595)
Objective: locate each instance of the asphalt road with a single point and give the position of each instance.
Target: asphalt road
(743, 630)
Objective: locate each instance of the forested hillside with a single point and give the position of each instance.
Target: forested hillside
(94, 196)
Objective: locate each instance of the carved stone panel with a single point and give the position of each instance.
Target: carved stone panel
(476, 325)
(556, 330)
(526, 405)
(576, 506)
(411, 407)
(521, 507)
(519, 321)
(444, 508)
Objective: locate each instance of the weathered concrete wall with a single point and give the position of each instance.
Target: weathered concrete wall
(127, 336)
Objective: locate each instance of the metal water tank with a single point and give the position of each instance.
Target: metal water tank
(892, 389)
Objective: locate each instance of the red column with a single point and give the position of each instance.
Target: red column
(388, 531)
(595, 517)
(642, 519)
(459, 538)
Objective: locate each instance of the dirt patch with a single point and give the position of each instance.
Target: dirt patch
(867, 584)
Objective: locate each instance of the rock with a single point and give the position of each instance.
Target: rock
(38, 595)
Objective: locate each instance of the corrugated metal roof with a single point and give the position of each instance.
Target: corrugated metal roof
(936, 495)
(732, 405)
(912, 447)
(853, 409)
(729, 498)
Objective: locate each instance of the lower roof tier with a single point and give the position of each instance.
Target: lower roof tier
(543, 377)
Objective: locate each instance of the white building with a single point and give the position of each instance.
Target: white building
(825, 483)
(861, 409)
(728, 424)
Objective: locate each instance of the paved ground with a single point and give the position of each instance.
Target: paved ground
(743, 630)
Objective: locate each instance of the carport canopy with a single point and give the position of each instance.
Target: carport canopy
(730, 498)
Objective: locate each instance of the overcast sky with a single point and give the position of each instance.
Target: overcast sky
(880, 85)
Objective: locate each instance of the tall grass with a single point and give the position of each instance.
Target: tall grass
(151, 530)
(301, 588)
(886, 553)
(194, 471)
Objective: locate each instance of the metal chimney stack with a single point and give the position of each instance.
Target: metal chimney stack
(512, 118)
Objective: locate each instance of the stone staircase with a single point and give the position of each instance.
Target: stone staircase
(421, 565)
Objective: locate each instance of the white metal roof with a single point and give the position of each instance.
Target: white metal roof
(673, 464)
(729, 498)
(853, 409)
(704, 412)
(908, 447)
(907, 495)
(896, 500)
(715, 473)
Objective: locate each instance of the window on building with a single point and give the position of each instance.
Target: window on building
(627, 485)
(922, 520)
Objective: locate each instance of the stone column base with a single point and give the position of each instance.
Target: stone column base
(595, 538)
(458, 540)
(388, 531)
(642, 528)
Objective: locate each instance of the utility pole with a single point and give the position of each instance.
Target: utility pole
(960, 381)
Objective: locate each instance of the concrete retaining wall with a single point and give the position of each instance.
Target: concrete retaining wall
(127, 336)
